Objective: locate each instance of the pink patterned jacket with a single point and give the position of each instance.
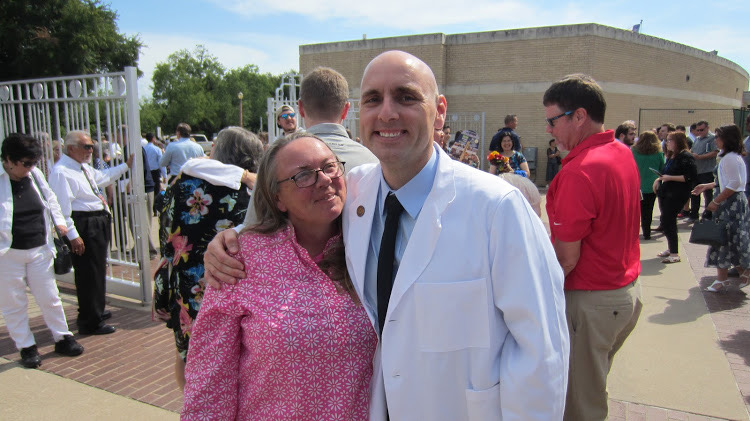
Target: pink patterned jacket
(282, 344)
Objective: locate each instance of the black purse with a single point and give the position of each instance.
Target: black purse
(708, 232)
(63, 259)
(63, 262)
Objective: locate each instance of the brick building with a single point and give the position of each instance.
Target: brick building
(506, 72)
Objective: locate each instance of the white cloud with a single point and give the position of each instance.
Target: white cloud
(397, 14)
(276, 51)
(273, 54)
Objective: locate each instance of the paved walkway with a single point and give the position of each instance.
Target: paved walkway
(688, 359)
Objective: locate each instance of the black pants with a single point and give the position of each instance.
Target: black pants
(708, 196)
(156, 176)
(647, 213)
(123, 228)
(670, 207)
(91, 267)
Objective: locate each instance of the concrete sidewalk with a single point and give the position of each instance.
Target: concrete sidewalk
(688, 358)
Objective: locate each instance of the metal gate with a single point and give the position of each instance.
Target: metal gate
(351, 121)
(286, 94)
(105, 105)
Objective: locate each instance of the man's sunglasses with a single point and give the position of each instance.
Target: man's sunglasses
(551, 120)
(87, 147)
(288, 115)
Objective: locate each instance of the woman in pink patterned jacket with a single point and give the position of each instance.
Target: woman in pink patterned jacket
(292, 340)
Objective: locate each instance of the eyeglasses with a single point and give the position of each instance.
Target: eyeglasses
(27, 164)
(551, 120)
(308, 178)
(288, 115)
(87, 147)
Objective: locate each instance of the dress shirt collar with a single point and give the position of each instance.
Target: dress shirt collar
(413, 194)
(69, 162)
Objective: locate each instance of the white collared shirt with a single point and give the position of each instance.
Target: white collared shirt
(74, 191)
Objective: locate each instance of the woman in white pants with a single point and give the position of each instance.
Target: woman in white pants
(27, 250)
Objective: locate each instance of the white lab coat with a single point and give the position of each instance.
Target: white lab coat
(476, 325)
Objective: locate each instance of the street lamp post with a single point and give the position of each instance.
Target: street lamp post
(240, 96)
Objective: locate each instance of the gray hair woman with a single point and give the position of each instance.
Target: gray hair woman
(206, 198)
(28, 209)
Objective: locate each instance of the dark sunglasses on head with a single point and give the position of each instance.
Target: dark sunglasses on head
(288, 115)
(27, 164)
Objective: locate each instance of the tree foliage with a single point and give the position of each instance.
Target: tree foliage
(43, 38)
(192, 86)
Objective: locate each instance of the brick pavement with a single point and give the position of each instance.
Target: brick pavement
(137, 361)
(730, 312)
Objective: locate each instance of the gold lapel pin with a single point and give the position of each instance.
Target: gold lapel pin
(360, 210)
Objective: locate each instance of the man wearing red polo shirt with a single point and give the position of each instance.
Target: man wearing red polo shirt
(594, 214)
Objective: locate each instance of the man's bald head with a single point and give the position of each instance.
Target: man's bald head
(400, 109)
(417, 66)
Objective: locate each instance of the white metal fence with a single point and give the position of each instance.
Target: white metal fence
(286, 94)
(105, 105)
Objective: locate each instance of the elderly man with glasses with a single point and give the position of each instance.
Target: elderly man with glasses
(88, 221)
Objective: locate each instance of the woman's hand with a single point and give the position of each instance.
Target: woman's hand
(248, 179)
(63, 229)
(655, 187)
(700, 188)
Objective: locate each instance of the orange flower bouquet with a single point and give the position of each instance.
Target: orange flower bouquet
(501, 162)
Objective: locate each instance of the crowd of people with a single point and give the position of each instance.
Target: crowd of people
(310, 278)
(685, 168)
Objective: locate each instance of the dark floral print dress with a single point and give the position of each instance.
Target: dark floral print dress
(194, 210)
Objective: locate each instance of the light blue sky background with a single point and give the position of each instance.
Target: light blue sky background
(268, 33)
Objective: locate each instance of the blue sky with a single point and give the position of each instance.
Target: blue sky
(268, 33)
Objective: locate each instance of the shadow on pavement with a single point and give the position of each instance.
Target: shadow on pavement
(678, 311)
(738, 344)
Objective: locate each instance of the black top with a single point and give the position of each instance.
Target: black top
(28, 216)
(681, 164)
(551, 151)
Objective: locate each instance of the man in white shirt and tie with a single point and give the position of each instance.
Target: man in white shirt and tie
(87, 217)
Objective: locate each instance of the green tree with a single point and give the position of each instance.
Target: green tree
(192, 86)
(186, 86)
(42, 38)
(152, 115)
(255, 88)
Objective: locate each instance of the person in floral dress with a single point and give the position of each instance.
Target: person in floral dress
(194, 211)
(730, 209)
(291, 341)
